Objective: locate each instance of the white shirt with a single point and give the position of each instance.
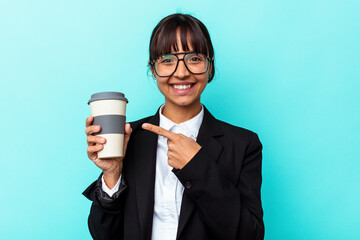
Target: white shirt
(168, 189)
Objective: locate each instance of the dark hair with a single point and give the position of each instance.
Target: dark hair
(163, 38)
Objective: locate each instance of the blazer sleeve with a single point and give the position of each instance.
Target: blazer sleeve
(106, 214)
(230, 210)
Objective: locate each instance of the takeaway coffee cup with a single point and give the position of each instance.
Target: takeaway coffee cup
(108, 110)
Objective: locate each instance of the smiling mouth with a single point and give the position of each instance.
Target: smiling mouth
(182, 86)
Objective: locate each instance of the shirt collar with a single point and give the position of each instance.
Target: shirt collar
(191, 126)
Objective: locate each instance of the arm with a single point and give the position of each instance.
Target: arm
(106, 215)
(230, 210)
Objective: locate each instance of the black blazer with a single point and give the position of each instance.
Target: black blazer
(221, 199)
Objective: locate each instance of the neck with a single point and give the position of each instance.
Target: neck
(179, 114)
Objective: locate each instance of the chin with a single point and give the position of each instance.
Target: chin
(184, 103)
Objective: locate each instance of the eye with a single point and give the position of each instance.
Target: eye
(167, 59)
(196, 58)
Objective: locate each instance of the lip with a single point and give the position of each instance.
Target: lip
(182, 92)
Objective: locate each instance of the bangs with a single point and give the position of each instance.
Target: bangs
(164, 39)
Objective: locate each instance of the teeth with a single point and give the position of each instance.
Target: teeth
(182, 87)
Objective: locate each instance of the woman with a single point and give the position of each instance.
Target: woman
(186, 175)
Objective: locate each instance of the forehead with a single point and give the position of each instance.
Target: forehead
(183, 43)
(179, 40)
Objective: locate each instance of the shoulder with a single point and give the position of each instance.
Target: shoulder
(237, 130)
(231, 134)
(239, 134)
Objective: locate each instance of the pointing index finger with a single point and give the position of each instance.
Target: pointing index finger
(159, 130)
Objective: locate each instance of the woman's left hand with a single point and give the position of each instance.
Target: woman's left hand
(181, 149)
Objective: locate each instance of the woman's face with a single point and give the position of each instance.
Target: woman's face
(182, 88)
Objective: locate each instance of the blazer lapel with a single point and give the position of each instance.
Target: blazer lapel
(209, 129)
(145, 162)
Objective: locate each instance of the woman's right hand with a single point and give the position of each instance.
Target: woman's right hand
(111, 167)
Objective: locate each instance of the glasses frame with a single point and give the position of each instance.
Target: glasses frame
(177, 64)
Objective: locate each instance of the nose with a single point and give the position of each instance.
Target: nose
(181, 71)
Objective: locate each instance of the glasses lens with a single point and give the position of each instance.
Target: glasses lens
(196, 62)
(165, 65)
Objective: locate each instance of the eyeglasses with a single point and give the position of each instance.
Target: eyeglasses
(166, 65)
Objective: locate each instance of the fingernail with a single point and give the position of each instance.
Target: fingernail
(144, 125)
(102, 140)
(97, 128)
(99, 146)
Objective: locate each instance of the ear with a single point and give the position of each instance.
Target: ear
(152, 69)
(211, 67)
(211, 64)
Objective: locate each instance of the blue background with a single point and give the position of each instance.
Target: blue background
(288, 70)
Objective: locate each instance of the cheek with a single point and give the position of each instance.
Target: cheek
(162, 85)
(161, 82)
(202, 81)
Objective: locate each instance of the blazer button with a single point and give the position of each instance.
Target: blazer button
(188, 185)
